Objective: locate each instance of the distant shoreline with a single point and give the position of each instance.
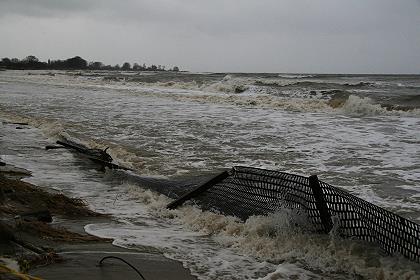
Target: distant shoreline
(314, 75)
(75, 63)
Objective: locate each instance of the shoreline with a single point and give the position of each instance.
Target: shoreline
(61, 249)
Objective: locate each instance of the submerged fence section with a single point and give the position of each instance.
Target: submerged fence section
(244, 191)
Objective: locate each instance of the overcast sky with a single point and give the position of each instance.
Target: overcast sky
(322, 36)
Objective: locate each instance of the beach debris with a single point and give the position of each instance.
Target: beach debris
(97, 155)
(124, 261)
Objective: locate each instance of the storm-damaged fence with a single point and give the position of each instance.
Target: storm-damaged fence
(244, 191)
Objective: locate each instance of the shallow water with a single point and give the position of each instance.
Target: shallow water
(180, 125)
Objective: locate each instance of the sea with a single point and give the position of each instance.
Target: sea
(360, 133)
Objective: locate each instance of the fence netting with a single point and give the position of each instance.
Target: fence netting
(251, 191)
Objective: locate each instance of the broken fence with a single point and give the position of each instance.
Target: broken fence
(244, 191)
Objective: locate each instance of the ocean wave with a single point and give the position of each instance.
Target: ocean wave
(51, 128)
(295, 76)
(227, 85)
(365, 106)
(313, 84)
(242, 91)
(408, 100)
(340, 102)
(233, 84)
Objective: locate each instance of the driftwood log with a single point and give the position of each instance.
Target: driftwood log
(97, 155)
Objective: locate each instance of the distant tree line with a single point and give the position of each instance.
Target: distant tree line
(75, 63)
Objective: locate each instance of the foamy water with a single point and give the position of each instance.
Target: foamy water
(352, 131)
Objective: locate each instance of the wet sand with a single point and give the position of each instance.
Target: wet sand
(62, 249)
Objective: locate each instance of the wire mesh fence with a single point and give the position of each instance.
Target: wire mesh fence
(245, 191)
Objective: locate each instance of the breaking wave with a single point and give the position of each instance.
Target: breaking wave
(365, 106)
(314, 84)
(50, 128)
(297, 76)
(340, 102)
(226, 85)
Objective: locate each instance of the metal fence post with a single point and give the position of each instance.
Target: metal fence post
(321, 205)
(198, 190)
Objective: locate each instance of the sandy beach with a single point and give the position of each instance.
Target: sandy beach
(30, 245)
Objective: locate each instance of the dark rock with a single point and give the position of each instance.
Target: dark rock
(240, 89)
(40, 216)
(6, 235)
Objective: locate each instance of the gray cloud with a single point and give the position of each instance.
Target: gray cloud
(265, 35)
(44, 8)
